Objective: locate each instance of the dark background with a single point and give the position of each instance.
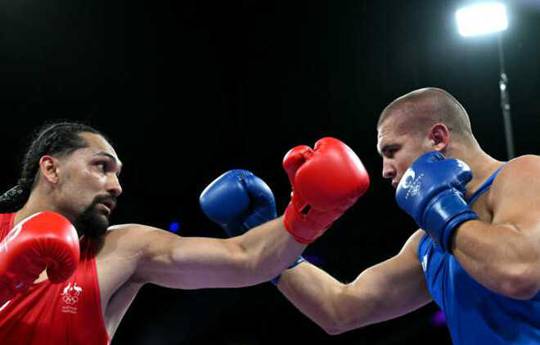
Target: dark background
(189, 89)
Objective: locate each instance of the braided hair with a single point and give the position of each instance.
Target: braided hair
(56, 139)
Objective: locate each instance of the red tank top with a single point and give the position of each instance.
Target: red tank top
(62, 314)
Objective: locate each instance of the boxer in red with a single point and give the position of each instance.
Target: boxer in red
(67, 277)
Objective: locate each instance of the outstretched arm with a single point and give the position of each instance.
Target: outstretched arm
(194, 262)
(384, 291)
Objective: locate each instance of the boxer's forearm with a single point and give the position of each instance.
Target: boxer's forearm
(387, 290)
(314, 293)
(267, 250)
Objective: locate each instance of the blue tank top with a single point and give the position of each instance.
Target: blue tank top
(474, 314)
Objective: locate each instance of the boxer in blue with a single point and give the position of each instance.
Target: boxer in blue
(477, 252)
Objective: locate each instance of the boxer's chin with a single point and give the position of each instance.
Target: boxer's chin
(93, 221)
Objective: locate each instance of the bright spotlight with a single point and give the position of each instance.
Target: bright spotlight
(481, 18)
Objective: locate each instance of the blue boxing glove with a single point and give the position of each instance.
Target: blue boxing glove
(238, 201)
(432, 192)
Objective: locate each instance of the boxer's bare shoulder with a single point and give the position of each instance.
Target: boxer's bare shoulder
(516, 189)
(118, 255)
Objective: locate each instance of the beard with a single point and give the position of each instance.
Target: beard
(92, 222)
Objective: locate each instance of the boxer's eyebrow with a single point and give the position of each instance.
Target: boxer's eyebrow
(111, 157)
(387, 149)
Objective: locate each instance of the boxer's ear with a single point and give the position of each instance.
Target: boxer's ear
(48, 167)
(439, 136)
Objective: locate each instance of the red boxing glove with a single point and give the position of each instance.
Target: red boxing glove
(45, 240)
(326, 181)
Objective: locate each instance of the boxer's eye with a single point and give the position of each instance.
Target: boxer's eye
(390, 151)
(102, 166)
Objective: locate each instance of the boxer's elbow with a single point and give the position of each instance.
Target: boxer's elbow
(335, 325)
(521, 282)
(518, 289)
(333, 329)
(340, 317)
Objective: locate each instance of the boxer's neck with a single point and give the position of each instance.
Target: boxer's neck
(37, 202)
(482, 165)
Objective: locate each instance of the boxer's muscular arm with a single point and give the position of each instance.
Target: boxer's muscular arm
(195, 262)
(384, 291)
(505, 256)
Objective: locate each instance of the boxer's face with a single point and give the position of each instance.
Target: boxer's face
(399, 147)
(88, 185)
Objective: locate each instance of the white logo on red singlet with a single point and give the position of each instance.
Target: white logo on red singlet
(70, 296)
